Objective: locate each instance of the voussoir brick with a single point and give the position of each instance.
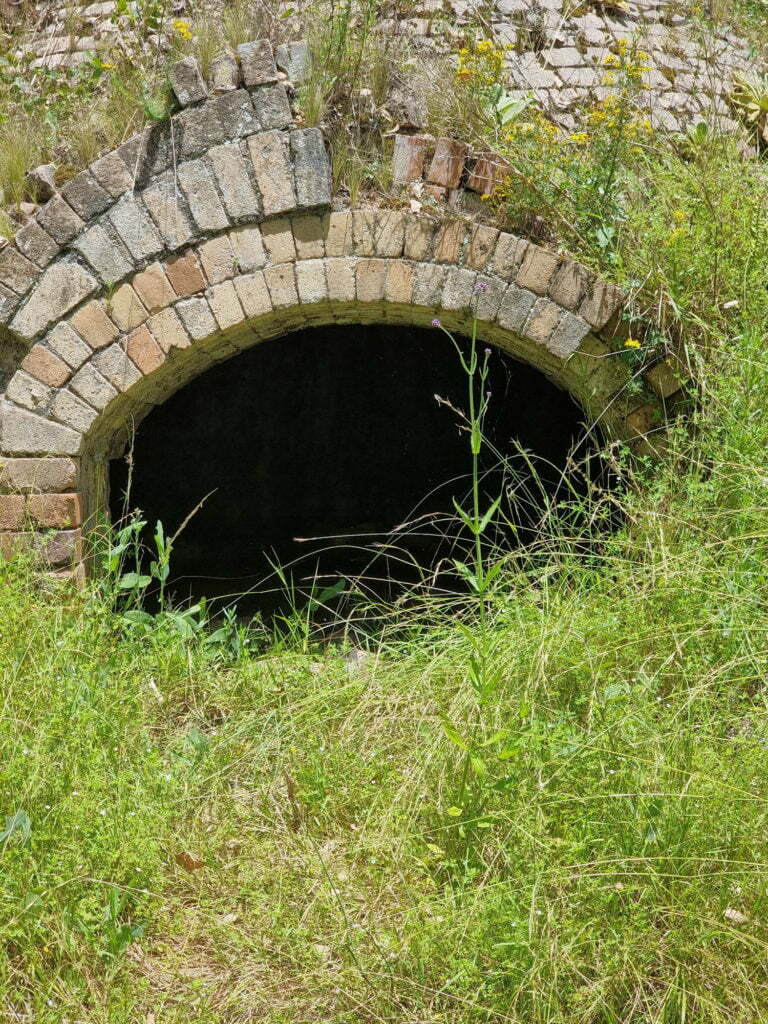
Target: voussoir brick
(94, 326)
(46, 367)
(184, 274)
(144, 351)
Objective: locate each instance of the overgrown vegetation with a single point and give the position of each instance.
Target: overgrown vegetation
(549, 806)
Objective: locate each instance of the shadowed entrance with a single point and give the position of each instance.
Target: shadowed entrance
(318, 445)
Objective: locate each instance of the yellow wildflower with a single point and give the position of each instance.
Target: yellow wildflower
(631, 343)
(182, 28)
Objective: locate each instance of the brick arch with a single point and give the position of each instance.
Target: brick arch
(213, 231)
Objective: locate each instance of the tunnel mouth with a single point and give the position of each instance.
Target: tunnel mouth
(330, 462)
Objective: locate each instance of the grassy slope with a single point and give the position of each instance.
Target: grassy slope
(622, 813)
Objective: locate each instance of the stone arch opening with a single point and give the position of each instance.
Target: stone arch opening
(336, 452)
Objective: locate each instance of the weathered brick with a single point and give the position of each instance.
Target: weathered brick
(248, 248)
(197, 183)
(163, 200)
(370, 279)
(253, 294)
(273, 171)
(569, 284)
(112, 174)
(542, 320)
(458, 290)
(29, 392)
(308, 237)
(239, 195)
(448, 241)
(53, 549)
(94, 326)
(199, 128)
(225, 305)
(419, 238)
(36, 244)
(278, 240)
(168, 330)
(60, 221)
(601, 303)
(153, 288)
(281, 283)
(9, 303)
(311, 168)
(482, 244)
(93, 386)
(187, 81)
(197, 318)
(135, 228)
(509, 254)
(667, 377)
(399, 286)
(25, 432)
(109, 259)
(72, 412)
(184, 274)
(217, 259)
(310, 281)
(515, 308)
(225, 73)
(143, 350)
(42, 364)
(271, 106)
(12, 511)
(126, 308)
(428, 284)
(16, 271)
(86, 197)
(340, 275)
(67, 345)
(257, 62)
(237, 114)
(568, 335)
(337, 233)
(488, 299)
(45, 474)
(114, 364)
(294, 59)
(55, 510)
(537, 269)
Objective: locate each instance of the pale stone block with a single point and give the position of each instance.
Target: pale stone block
(12, 512)
(114, 364)
(109, 259)
(144, 351)
(71, 411)
(225, 305)
(29, 392)
(488, 299)
(340, 275)
(237, 114)
(537, 269)
(36, 244)
(310, 281)
(248, 249)
(273, 170)
(60, 221)
(43, 475)
(542, 320)
(51, 511)
(271, 107)
(41, 363)
(337, 231)
(429, 280)
(458, 290)
(16, 271)
(197, 317)
(24, 432)
(61, 287)
(89, 384)
(448, 241)
(198, 186)
(601, 304)
(311, 168)
(134, 226)
(126, 309)
(94, 326)
(168, 330)
(225, 73)
(568, 335)
(482, 244)
(419, 238)
(253, 294)
(569, 284)
(509, 254)
(239, 195)
(278, 240)
(68, 345)
(399, 286)
(86, 197)
(514, 308)
(370, 280)
(184, 274)
(308, 237)
(187, 81)
(153, 288)
(112, 174)
(217, 259)
(163, 200)
(257, 62)
(281, 283)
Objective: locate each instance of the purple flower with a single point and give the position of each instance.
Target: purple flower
(436, 323)
(481, 286)
(487, 351)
